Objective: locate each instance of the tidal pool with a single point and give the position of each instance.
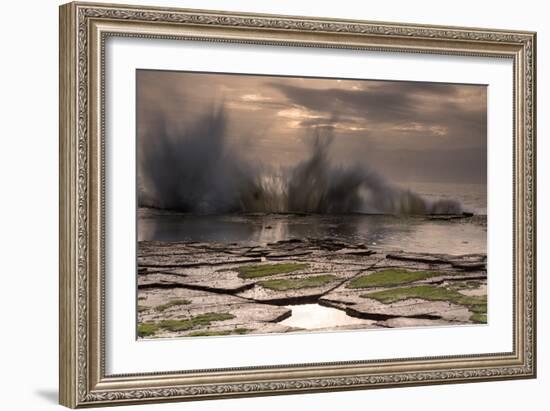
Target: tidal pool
(314, 316)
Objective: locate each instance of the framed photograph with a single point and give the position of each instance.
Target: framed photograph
(260, 204)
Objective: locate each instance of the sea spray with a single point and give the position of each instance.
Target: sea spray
(196, 171)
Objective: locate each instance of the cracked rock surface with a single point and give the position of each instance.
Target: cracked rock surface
(194, 289)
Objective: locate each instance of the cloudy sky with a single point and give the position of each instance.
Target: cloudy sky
(407, 131)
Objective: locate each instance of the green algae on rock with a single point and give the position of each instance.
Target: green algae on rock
(391, 277)
(212, 333)
(479, 318)
(264, 270)
(298, 283)
(475, 304)
(172, 303)
(148, 329)
(187, 324)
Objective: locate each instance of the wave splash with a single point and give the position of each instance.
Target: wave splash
(196, 171)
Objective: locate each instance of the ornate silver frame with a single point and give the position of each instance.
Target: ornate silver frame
(83, 30)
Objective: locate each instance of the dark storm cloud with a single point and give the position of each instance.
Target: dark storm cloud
(407, 130)
(395, 104)
(386, 99)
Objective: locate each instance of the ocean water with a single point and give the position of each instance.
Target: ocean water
(388, 232)
(473, 197)
(415, 234)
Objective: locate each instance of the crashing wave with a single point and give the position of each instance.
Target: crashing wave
(196, 171)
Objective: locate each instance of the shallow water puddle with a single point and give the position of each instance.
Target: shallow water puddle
(312, 316)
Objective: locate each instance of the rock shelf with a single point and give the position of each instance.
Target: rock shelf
(192, 289)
